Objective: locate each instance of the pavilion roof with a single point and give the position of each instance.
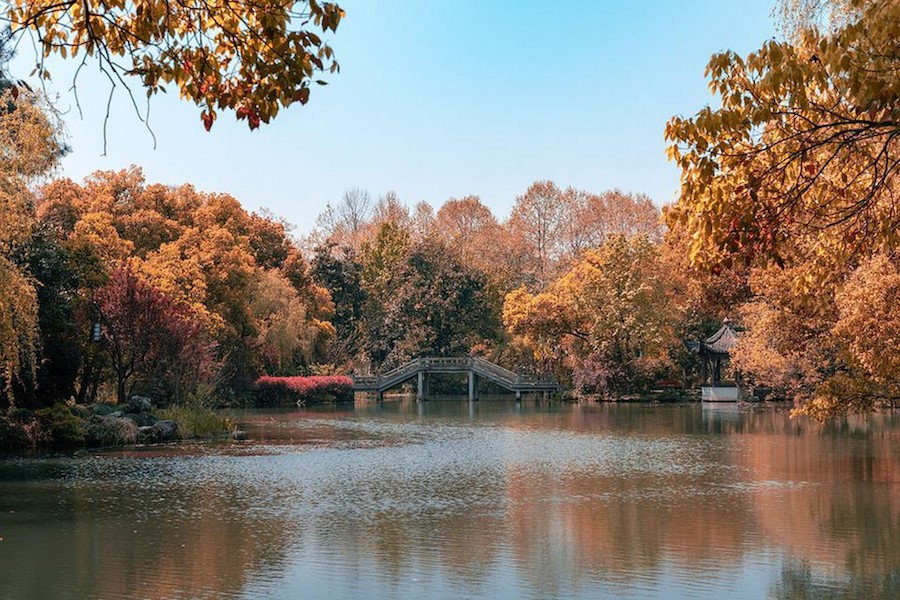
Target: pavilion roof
(722, 341)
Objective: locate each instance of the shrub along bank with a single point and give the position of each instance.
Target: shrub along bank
(102, 425)
(313, 389)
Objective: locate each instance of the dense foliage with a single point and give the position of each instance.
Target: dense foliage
(795, 175)
(309, 389)
(249, 57)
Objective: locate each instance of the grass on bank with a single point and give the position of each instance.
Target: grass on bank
(196, 422)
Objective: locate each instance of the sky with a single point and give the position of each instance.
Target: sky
(441, 99)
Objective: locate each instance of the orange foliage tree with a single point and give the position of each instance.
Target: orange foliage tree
(607, 322)
(205, 253)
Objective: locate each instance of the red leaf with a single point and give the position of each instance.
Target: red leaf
(208, 119)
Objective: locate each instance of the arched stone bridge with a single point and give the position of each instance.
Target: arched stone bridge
(475, 367)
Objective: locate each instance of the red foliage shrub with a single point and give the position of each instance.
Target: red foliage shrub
(304, 390)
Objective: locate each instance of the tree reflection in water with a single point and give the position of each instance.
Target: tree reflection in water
(451, 500)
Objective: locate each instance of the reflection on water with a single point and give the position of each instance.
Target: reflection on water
(450, 499)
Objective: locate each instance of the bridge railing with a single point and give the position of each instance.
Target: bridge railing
(411, 366)
(496, 370)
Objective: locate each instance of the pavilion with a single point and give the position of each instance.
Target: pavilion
(714, 352)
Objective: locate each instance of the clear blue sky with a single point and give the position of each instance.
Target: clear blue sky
(444, 99)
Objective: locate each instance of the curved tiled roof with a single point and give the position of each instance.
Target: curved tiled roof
(722, 341)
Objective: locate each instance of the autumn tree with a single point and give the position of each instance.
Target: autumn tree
(146, 334)
(607, 322)
(591, 218)
(436, 306)
(469, 228)
(285, 337)
(799, 162)
(30, 144)
(422, 220)
(796, 173)
(390, 210)
(250, 57)
(702, 298)
(551, 227)
(831, 357)
(535, 222)
(868, 326)
(794, 17)
(787, 344)
(345, 223)
(204, 252)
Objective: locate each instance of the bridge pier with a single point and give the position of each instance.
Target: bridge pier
(420, 387)
(473, 387)
(518, 395)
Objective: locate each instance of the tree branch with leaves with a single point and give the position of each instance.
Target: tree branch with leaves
(254, 57)
(801, 159)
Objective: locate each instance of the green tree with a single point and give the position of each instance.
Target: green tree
(339, 272)
(442, 306)
(382, 260)
(64, 318)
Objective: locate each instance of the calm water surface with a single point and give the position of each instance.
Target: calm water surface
(451, 500)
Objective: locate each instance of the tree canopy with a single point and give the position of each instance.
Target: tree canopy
(250, 57)
(800, 160)
(30, 146)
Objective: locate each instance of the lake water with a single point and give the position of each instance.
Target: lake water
(448, 499)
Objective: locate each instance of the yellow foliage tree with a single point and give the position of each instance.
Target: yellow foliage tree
(799, 162)
(608, 320)
(30, 146)
(832, 357)
(284, 331)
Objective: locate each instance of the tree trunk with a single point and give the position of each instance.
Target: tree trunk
(121, 378)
